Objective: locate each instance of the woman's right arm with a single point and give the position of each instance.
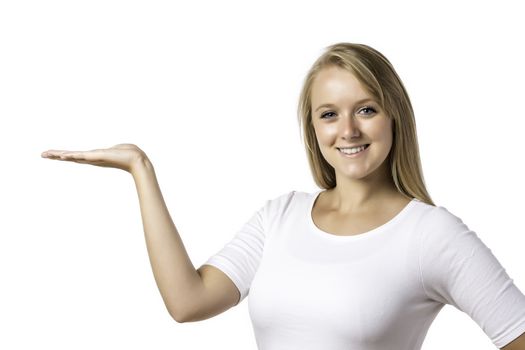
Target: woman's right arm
(189, 294)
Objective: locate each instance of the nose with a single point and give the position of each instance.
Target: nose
(349, 127)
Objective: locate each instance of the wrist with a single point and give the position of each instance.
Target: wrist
(140, 165)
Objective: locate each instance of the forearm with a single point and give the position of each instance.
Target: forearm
(175, 275)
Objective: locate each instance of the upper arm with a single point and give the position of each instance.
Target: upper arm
(516, 344)
(227, 275)
(217, 294)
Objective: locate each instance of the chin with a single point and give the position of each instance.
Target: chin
(353, 176)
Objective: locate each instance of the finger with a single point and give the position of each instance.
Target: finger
(53, 153)
(62, 155)
(59, 153)
(74, 156)
(88, 157)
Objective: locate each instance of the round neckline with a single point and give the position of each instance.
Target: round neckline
(367, 234)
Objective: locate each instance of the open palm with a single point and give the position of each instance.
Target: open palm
(122, 156)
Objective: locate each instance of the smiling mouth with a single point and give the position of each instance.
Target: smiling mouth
(361, 149)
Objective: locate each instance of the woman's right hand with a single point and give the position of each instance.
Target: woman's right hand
(123, 156)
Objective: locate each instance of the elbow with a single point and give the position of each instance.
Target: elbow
(185, 315)
(179, 319)
(182, 309)
(177, 315)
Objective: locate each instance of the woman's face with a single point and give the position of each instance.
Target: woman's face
(351, 118)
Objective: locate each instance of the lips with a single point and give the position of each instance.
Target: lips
(366, 146)
(355, 153)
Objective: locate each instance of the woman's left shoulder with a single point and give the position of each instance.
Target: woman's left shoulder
(439, 219)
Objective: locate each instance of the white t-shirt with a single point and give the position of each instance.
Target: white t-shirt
(381, 289)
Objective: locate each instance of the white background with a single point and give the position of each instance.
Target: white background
(210, 92)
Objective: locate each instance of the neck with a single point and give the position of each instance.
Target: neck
(354, 195)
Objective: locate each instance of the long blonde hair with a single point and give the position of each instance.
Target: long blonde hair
(378, 76)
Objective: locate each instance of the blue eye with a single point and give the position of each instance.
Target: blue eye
(372, 111)
(324, 114)
(370, 108)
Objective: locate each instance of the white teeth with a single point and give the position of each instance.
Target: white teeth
(352, 150)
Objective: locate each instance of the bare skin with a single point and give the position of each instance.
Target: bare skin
(122, 156)
(189, 294)
(329, 219)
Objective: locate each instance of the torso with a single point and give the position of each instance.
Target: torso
(337, 224)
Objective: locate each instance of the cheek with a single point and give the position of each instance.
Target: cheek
(325, 133)
(383, 132)
(387, 136)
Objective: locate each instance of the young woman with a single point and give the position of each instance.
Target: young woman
(367, 262)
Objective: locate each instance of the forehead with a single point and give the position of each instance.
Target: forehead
(337, 85)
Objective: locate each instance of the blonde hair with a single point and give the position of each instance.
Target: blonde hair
(378, 76)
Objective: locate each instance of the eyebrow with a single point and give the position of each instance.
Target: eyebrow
(332, 105)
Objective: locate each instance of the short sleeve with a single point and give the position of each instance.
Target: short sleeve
(240, 257)
(457, 268)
